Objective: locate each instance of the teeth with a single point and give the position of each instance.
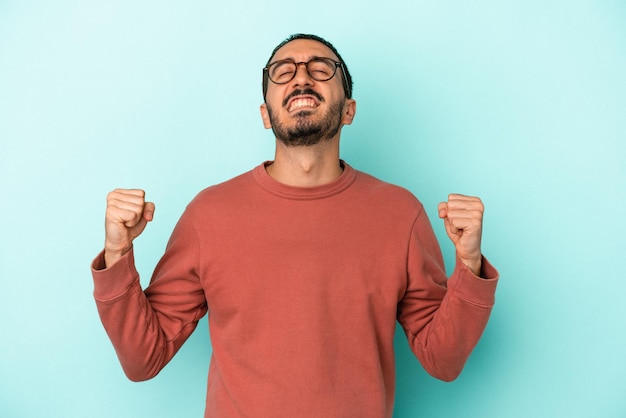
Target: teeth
(304, 102)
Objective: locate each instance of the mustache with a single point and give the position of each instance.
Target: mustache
(307, 92)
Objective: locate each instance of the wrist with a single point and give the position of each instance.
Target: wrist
(474, 265)
(112, 256)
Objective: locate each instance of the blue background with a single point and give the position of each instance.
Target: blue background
(522, 103)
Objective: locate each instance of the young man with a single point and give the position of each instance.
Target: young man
(304, 265)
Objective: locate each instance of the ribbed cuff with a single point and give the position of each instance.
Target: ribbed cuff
(113, 282)
(474, 289)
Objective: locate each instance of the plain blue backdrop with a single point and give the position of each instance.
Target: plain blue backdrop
(522, 103)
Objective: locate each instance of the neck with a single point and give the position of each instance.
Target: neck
(308, 166)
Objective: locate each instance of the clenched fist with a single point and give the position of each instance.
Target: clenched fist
(127, 215)
(463, 219)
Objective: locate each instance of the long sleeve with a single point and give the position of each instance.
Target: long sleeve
(147, 328)
(443, 318)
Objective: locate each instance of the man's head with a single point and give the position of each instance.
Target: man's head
(347, 78)
(307, 91)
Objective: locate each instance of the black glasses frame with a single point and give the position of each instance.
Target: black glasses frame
(338, 64)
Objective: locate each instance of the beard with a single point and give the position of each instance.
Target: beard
(307, 132)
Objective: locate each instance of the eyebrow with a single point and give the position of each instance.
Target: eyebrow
(310, 58)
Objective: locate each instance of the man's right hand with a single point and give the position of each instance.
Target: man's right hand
(126, 217)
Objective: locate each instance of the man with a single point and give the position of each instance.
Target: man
(304, 265)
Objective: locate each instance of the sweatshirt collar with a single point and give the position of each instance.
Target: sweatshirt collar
(304, 193)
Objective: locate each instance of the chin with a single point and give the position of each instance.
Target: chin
(303, 114)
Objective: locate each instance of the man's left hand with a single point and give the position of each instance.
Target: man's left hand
(463, 219)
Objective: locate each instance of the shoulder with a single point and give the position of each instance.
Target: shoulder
(226, 188)
(381, 190)
(223, 195)
(384, 195)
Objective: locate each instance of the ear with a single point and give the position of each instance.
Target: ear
(349, 112)
(265, 116)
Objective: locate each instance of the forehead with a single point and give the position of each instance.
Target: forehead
(303, 50)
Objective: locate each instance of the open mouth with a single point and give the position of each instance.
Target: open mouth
(301, 102)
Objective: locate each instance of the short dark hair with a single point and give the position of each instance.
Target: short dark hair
(347, 82)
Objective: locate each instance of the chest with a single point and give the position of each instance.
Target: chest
(303, 261)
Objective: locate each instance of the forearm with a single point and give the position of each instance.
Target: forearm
(129, 320)
(455, 324)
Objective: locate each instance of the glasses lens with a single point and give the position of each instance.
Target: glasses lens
(282, 72)
(321, 69)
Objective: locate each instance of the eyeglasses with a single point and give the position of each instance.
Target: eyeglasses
(318, 68)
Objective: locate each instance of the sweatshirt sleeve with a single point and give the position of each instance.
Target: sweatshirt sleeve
(148, 327)
(443, 318)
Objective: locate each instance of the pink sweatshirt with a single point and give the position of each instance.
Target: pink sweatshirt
(303, 287)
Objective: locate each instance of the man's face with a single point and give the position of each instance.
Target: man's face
(304, 111)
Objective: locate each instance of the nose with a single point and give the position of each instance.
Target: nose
(302, 78)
